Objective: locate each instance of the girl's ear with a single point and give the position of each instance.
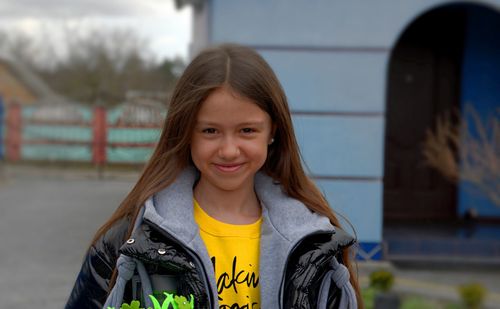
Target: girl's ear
(273, 132)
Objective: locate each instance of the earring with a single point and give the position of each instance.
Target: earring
(271, 141)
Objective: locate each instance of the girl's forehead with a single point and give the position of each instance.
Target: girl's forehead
(228, 104)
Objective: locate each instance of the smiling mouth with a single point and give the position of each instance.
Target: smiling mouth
(228, 167)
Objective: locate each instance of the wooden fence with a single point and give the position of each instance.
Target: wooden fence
(125, 134)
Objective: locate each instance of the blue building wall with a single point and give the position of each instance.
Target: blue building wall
(334, 71)
(326, 81)
(481, 89)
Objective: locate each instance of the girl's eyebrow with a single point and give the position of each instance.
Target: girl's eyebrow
(257, 123)
(253, 123)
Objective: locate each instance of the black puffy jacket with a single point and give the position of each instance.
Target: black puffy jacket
(304, 266)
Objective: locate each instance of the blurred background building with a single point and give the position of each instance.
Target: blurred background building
(396, 107)
(19, 83)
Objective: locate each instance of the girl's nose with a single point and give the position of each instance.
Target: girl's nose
(229, 149)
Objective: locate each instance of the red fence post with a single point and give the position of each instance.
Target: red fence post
(99, 136)
(13, 131)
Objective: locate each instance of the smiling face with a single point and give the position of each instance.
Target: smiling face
(229, 142)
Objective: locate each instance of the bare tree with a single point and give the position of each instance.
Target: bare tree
(467, 150)
(18, 48)
(97, 67)
(102, 65)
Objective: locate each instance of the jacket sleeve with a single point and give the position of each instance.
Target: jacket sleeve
(91, 287)
(309, 276)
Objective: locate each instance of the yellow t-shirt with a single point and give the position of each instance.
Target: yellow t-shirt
(234, 250)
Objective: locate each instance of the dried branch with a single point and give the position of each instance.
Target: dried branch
(467, 151)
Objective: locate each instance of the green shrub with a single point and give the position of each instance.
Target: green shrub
(368, 295)
(381, 280)
(472, 295)
(415, 302)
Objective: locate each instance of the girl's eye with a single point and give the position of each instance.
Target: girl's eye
(209, 131)
(247, 130)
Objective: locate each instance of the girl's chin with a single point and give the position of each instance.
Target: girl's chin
(227, 183)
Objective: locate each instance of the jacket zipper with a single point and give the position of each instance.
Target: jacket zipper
(194, 256)
(282, 285)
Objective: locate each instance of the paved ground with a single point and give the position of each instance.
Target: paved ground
(46, 222)
(48, 216)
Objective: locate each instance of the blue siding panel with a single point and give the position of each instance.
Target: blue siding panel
(360, 202)
(314, 23)
(325, 81)
(341, 146)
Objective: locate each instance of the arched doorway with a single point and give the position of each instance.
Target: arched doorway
(433, 64)
(424, 81)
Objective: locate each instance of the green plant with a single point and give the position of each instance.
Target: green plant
(381, 280)
(368, 295)
(135, 304)
(415, 302)
(171, 301)
(177, 302)
(472, 295)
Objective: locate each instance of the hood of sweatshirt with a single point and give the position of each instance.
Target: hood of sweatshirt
(285, 222)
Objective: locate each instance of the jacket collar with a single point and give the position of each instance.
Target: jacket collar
(172, 209)
(285, 222)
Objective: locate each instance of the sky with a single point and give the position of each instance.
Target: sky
(165, 28)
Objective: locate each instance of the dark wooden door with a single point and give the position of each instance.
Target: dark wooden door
(424, 81)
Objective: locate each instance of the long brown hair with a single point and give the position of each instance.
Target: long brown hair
(244, 71)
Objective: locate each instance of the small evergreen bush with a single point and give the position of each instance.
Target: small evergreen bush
(381, 280)
(472, 295)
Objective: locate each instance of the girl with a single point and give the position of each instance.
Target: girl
(223, 215)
